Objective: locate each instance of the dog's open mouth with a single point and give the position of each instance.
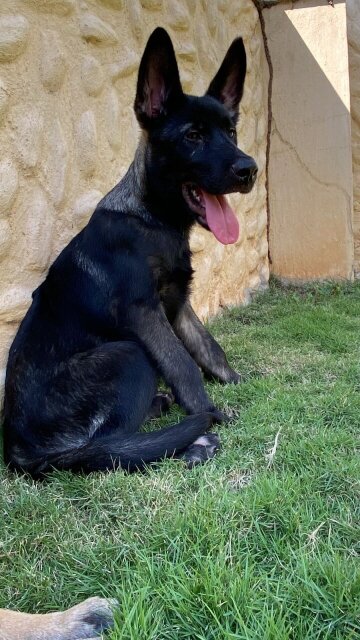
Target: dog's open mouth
(213, 213)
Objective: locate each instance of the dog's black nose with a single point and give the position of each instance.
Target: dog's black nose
(245, 170)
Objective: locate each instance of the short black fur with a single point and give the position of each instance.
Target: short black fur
(113, 314)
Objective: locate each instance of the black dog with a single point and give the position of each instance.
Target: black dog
(113, 313)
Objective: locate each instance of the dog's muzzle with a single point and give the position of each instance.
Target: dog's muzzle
(245, 171)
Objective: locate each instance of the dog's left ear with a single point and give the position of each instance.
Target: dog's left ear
(228, 84)
(158, 85)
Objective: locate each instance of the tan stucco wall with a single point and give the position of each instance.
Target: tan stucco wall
(68, 133)
(353, 24)
(310, 172)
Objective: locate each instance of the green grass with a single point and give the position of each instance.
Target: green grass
(235, 549)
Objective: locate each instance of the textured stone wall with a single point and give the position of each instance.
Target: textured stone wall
(68, 132)
(353, 25)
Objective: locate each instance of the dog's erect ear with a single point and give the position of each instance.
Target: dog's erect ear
(158, 85)
(228, 84)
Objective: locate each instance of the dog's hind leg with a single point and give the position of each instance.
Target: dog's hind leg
(201, 450)
(134, 451)
(95, 393)
(92, 411)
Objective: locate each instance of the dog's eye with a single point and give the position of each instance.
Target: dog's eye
(194, 135)
(232, 132)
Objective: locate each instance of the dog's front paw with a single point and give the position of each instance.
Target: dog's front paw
(232, 377)
(236, 377)
(225, 376)
(219, 416)
(90, 618)
(201, 450)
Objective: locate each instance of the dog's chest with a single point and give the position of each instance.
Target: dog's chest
(172, 275)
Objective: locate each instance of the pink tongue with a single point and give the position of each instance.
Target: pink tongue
(221, 218)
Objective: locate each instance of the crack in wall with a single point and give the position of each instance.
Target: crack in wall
(333, 185)
(305, 166)
(259, 6)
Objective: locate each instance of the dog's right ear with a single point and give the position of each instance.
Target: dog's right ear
(158, 85)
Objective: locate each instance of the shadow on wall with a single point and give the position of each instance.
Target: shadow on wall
(310, 170)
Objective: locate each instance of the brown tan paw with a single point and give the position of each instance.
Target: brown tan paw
(89, 619)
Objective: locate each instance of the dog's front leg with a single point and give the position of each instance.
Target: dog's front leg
(206, 352)
(173, 361)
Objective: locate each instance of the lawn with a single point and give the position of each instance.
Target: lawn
(249, 546)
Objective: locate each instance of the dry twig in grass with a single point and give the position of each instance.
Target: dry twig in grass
(271, 454)
(312, 536)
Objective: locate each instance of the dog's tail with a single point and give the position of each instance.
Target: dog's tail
(128, 451)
